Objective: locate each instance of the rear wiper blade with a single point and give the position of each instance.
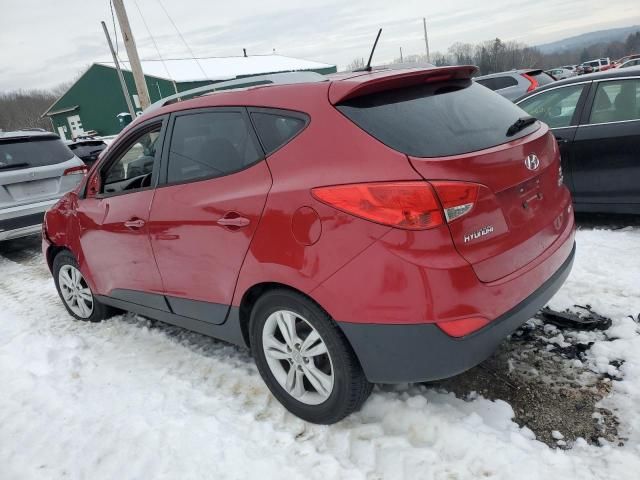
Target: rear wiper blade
(13, 165)
(519, 124)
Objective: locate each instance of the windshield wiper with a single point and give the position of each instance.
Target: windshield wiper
(13, 165)
(520, 124)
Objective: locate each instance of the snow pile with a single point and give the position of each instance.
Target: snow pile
(127, 399)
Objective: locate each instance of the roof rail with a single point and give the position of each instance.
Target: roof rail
(238, 83)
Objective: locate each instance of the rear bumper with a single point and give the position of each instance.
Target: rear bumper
(422, 352)
(23, 220)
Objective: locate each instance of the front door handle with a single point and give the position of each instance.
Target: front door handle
(233, 219)
(134, 223)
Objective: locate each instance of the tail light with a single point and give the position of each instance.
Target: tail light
(408, 205)
(81, 170)
(534, 82)
(457, 198)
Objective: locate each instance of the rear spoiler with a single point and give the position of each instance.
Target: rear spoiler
(379, 81)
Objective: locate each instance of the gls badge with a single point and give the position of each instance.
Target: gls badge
(479, 233)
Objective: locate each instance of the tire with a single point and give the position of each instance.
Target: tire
(327, 382)
(95, 311)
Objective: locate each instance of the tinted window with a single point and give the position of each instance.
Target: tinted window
(210, 144)
(498, 83)
(88, 149)
(616, 101)
(134, 167)
(554, 107)
(437, 120)
(32, 152)
(542, 78)
(274, 130)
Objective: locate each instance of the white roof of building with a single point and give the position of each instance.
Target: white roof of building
(221, 68)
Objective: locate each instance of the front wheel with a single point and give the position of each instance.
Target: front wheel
(74, 290)
(304, 358)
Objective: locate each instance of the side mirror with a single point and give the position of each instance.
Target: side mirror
(93, 185)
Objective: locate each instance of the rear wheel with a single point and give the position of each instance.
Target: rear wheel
(74, 290)
(304, 358)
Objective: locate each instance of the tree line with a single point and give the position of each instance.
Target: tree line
(492, 56)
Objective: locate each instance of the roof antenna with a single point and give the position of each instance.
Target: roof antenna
(367, 68)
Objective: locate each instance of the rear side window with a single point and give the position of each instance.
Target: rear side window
(210, 144)
(32, 152)
(275, 130)
(616, 101)
(437, 120)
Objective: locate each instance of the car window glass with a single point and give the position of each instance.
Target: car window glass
(134, 167)
(616, 101)
(505, 82)
(210, 144)
(554, 107)
(275, 130)
(32, 152)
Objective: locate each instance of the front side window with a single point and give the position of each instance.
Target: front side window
(210, 144)
(616, 101)
(554, 107)
(133, 168)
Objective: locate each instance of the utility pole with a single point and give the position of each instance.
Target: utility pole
(401, 59)
(125, 90)
(426, 39)
(132, 53)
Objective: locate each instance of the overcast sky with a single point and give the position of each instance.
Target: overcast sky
(45, 42)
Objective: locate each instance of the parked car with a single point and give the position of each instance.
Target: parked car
(584, 69)
(87, 148)
(630, 63)
(36, 169)
(596, 120)
(561, 73)
(515, 83)
(625, 59)
(597, 65)
(371, 227)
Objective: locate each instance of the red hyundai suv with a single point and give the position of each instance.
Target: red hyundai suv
(372, 227)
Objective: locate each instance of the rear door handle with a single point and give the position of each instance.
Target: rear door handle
(134, 223)
(233, 219)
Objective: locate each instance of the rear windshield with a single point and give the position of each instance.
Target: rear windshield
(542, 78)
(437, 120)
(87, 148)
(32, 152)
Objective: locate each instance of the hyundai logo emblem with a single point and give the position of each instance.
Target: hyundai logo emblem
(532, 162)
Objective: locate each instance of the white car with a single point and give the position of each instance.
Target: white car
(36, 169)
(630, 63)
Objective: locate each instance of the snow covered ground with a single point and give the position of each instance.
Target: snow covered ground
(132, 399)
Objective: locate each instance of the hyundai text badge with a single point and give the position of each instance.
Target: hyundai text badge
(532, 162)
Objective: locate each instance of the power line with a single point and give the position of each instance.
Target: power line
(183, 39)
(153, 40)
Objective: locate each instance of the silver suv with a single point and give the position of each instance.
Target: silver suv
(515, 83)
(36, 169)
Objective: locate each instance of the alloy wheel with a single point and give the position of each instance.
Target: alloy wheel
(298, 357)
(75, 291)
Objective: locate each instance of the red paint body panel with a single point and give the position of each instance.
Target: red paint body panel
(198, 258)
(115, 256)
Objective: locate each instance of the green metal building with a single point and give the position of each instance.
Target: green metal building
(95, 99)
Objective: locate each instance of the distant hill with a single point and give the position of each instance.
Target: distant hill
(586, 39)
